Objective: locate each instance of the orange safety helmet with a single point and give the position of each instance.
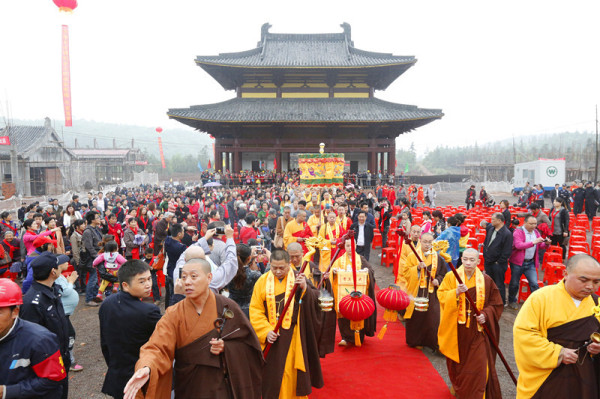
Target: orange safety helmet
(10, 293)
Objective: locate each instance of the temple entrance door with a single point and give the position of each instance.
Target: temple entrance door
(256, 166)
(353, 167)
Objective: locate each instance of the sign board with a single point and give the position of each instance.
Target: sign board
(4, 140)
(141, 162)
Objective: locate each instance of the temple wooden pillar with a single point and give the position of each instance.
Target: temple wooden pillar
(218, 159)
(371, 161)
(278, 159)
(392, 161)
(237, 161)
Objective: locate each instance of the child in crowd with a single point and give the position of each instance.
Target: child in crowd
(149, 259)
(405, 223)
(110, 260)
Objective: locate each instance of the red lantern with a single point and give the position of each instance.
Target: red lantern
(159, 129)
(66, 5)
(392, 299)
(356, 307)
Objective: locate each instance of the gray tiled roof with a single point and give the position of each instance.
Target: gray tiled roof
(304, 110)
(307, 51)
(25, 137)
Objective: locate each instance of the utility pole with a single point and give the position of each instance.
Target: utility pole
(596, 169)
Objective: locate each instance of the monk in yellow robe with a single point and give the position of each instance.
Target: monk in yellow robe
(293, 365)
(415, 237)
(315, 221)
(326, 201)
(470, 358)
(422, 326)
(551, 332)
(330, 232)
(206, 365)
(342, 218)
(344, 263)
(297, 230)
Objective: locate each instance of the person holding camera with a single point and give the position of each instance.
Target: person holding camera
(524, 259)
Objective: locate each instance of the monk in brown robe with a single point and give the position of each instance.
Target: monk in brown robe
(551, 332)
(470, 358)
(422, 326)
(292, 364)
(209, 362)
(326, 334)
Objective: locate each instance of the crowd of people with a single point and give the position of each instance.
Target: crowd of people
(268, 178)
(230, 260)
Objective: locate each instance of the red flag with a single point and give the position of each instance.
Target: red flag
(162, 156)
(209, 167)
(275, 164)
(51, 368)
(66, 76)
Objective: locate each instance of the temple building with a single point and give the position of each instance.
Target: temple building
(294, 91)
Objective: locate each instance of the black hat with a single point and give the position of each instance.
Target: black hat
(47, 261)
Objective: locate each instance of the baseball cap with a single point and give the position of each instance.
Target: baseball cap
(38, 242)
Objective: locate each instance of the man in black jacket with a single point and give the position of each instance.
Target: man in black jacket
(363, 234)
(126, 323)
(470, 200)
(385, 216)
(497, 248)
(42, 304)
(592, 200)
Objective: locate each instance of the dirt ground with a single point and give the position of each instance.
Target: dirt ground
(88, 382)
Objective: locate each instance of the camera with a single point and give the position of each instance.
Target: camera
(220, 230)
(259, 249)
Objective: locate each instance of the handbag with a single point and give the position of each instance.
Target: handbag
(16, 267)
(159, 261)
(139, 239)
(6, 259)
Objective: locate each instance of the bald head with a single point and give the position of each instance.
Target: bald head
(471, 252)
(294, 246)
(194, 252)
(197, 263)
(581, 260)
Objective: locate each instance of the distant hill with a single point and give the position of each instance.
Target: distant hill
(175, 141)
(578, 148)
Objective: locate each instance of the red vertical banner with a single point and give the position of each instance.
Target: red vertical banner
(162, 156)
(66, 76)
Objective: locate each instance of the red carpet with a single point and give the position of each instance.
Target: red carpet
(385, 368)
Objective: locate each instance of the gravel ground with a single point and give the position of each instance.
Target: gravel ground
(88, 382)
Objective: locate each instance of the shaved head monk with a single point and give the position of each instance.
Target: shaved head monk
(210, 362)
(553, 350)
(470, 358)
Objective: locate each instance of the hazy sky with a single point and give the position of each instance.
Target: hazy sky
(496, 69)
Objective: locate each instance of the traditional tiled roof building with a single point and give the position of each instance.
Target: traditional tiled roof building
(295, 91)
